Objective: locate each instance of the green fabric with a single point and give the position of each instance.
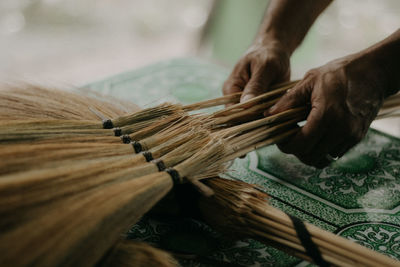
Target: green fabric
(357, 197)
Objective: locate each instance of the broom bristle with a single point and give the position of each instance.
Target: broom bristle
(155, 127)
(99, 192)
(241, 209)
(17, 158)
(101, 213)
(205, 162)
(34, 102)
(148, 114)
(130, 253)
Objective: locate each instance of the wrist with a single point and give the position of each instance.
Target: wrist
(273, 41)
(379, 69)
(381, 60)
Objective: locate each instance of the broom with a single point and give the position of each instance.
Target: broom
(217, 168)
(20, 157)
(241, 209)
(35, 102)
(70, 177)
(130, 253)
(103, 210)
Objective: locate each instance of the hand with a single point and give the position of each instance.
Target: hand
(263, 65)
(344, 97)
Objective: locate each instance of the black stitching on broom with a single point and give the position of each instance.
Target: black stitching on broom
(117, 131)
(147, 155)
(305, 239)
(174, 175)
(137, 146)
(160, 164)
(126, 139)
(107, 124)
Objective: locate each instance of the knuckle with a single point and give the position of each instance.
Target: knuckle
(256, 86)
(233, 85)
(226, 88)
(312, 74)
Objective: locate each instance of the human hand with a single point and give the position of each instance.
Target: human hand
(344, 97)
(264, 64)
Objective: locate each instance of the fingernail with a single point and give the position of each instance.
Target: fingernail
(246, 97)
(273, 108)
(269, 111)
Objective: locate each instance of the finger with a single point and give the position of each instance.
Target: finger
(299, 95)
(318, 163)
(237, 80)
(323, 153)
(235, 85)
(259, 82)
(305, 141)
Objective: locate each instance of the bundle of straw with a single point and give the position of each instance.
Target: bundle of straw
(130, 253)
(241, 209)
(101, 210)
(66, 175)
(36, 102)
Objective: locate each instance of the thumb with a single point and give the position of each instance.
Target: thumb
(258, 84)
(298, 96)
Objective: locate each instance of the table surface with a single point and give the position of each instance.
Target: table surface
(357, 197)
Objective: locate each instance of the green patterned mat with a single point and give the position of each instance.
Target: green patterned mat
(357, 197)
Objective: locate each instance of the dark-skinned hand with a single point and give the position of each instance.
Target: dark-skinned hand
(264, 64)
(344, 97)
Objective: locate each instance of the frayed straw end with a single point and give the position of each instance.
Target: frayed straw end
(202, 188)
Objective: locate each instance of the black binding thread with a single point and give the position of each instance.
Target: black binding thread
(137, 146)
(160, 164)
(126, 139)
(174, 175)
(147, 155)
(117, 131)
(305, 239)
(107, 124)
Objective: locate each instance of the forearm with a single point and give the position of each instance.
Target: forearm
(288, 21)
(383, 58)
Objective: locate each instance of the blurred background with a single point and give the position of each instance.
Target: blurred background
(80, 41)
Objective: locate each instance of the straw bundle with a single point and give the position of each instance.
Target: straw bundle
(67, 166)
(33, 102)
(136, 254)
(241, 209)
(100, 207)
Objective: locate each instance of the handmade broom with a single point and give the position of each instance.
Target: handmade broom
(129, 253)
(102, 211)
(241, 210)
(232, 152)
